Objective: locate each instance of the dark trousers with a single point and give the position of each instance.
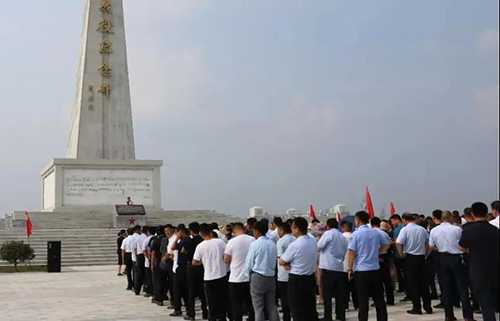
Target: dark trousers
(241, 301)
(158, 280)
(385, 270)
(353, 293)
(334, 286)
(148, 280)
(369, 284)
(138, 273)
(417, 281)
(195, 289)
(399, 264)
(452, 275)
(170, 282)
(180, 288)
(129, 265)
(302, 297)
(216, 291)
(285, 306)
(487, 297)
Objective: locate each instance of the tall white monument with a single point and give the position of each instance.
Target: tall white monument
(101, 170)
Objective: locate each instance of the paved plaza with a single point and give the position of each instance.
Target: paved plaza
(97, 294)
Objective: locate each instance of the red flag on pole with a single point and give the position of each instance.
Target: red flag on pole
(312, 213)
(369, 203)
(393, 208)
(29, 224)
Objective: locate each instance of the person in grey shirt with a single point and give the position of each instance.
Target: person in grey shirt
(413, 243)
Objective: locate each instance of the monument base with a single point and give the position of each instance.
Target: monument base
(73, 184)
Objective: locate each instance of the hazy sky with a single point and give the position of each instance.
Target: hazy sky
(272, 103)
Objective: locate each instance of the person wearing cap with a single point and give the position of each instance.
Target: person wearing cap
(332, 252)
(480, 240)
(363, 264)
(412, 243)
(444, 238)
(301, 258)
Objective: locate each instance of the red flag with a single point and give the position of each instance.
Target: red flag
(29, 224)
(369, 203)
(312, 213)
(393, 208)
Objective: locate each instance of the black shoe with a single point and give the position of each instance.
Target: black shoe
(417, 312)
(428, 311)
(128, 289)
(188, 318)
(405, 299)
(176, 314)
(439, 306)
(451, 319)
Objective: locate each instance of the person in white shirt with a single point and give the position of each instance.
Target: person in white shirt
(210, 254)
(495, 210)
(239, 279)
(332, 252)
(445, 239)
(347, 228)
(148, 276)
(127, 258)
(285, 239)
(138, 252)
(273, 229)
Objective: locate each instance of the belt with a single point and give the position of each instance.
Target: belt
(450, 254)
(262, 275)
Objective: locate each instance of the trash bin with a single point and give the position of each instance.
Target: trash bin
(54, 256)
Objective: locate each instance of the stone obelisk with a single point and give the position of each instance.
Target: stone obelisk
(101, 169)
(102, 118)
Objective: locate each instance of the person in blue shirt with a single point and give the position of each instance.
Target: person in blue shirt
(332, 251)
(363, 263)
(399, 262)
(300, 259)
(261, 263)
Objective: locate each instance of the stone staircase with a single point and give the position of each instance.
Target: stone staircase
(80, 247)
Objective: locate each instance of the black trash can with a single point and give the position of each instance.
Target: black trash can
(54, 256)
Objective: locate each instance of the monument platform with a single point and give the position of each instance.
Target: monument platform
(94, 185)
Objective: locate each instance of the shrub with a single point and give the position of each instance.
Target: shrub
(16, 252)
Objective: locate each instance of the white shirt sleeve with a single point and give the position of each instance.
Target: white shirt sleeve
(198, 253)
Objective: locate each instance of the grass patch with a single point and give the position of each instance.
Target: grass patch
(23, 269)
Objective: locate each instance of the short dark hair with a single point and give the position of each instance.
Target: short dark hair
(137, 228)
(495, 206)
(301, 224)
(479, 209)
(467, 211)
(237, 225)
(194, 227)
(362, 216)
(170, 226)
(332, 223)
(395, 217)
(214, 226)
(285, 227)
(130, 231)
(347, 226)
(409, 217)
(251, 221)
(205, 229)
(315, 221)
(262, 227)
(437, 214)
(375, 221)
(277, 220)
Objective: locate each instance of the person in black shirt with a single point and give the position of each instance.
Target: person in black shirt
(183, 246)
(157, 275)
(119, 241)
(195, 277)
(480, 239)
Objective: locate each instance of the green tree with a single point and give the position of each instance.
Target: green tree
(16, 252)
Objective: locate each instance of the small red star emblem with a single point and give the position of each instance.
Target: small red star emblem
(131, 221)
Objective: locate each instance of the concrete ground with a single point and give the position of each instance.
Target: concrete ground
(97, 294)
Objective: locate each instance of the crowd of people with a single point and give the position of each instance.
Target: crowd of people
(284, 269)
